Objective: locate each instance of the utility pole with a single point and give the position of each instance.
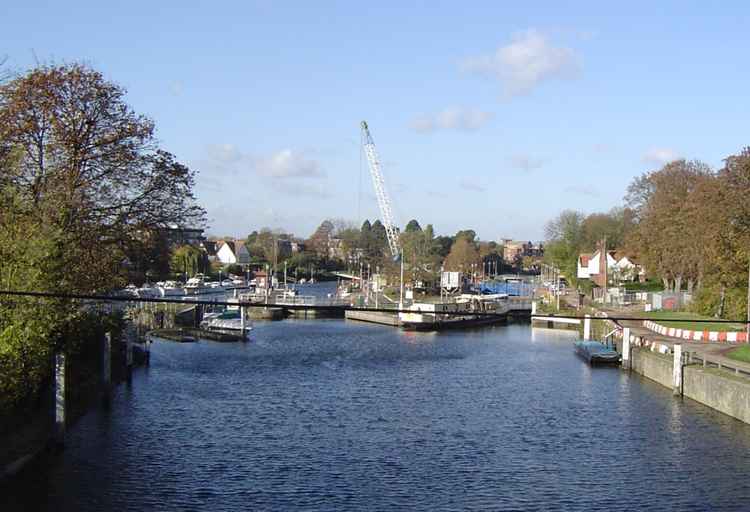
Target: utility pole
(377, 285)
(401, 297)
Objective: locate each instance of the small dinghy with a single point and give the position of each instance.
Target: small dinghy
(596, 353)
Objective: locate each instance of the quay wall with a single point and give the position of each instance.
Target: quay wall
(374, 317)
(725, 393)
(654, 366)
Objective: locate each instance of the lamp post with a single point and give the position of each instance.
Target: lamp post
(401, 296)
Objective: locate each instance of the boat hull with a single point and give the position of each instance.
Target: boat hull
(462, 323)
(596, 354)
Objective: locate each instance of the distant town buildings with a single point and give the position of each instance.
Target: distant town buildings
(514, 251)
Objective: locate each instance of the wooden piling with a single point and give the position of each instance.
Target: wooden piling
(59, 386)
(106, 366)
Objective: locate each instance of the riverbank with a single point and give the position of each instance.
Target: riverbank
(718, 389)
(712, 385)
(28, 435)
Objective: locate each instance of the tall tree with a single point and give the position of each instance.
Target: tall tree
(90, 166)
(463, 256)
(413, 226)
(660, 201)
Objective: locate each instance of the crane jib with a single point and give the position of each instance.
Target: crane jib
(378, 183)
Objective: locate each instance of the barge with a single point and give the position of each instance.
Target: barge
(466, 311)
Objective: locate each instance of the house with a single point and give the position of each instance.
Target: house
(627, 268)
(232, 252)
(514, 251)
(620, 267)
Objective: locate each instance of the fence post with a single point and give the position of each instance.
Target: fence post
(677, 370)
(587, 327)
(106, 366)
(626, 348)
(242, 322)
(59, 432)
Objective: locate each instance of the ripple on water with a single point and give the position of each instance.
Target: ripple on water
(330, 415)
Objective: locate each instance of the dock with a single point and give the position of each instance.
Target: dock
(374, 317)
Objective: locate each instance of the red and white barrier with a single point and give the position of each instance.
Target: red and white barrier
(705, 336)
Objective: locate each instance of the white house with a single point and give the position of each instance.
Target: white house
(619, 266)
(231, 252)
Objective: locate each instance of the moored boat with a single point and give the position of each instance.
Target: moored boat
(466, 311)
(595, 352)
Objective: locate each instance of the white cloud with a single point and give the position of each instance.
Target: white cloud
(526, 62)
(288, 163)
(525, 163)
(471, 186)
(452, 118)
(660, 156)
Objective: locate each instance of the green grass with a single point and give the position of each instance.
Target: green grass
(740, 354)
(681, 320)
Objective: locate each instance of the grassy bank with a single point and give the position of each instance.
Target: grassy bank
(740, 354)
(682, 320)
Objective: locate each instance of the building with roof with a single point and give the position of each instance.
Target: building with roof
(232, 252)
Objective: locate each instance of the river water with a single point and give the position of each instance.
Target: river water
(336, 415)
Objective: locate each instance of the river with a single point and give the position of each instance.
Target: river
(336, 415)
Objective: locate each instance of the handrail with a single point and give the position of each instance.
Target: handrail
(706, 361)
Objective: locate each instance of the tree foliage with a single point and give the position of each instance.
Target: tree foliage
(83, 187)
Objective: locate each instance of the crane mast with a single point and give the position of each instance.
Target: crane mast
(380, 193)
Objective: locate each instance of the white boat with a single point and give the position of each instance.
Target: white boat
(227, 321)
(197, 285)
(466, 311)
(147, 292)
(171, 289)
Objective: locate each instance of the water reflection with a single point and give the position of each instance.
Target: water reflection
(334, 415)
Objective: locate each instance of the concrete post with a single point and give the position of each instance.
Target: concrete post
(59, 433)
(106, 366)
(533, 307)
(129, 355)
(242, 322)
(587, 327)
(626, 348)
(677, 370)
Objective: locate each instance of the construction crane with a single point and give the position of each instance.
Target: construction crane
(379, 184)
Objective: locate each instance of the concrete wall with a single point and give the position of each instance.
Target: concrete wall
(653, 366)
(728, 395)
(374, 317)
(723, 393)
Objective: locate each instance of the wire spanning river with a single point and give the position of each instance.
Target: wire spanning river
(333, 415)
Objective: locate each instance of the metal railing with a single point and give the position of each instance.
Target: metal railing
(708, 362)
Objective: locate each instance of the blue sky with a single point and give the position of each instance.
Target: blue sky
(487, 115)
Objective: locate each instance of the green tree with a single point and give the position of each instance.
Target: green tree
(188, 260)
(463, 256)
(413, 226)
